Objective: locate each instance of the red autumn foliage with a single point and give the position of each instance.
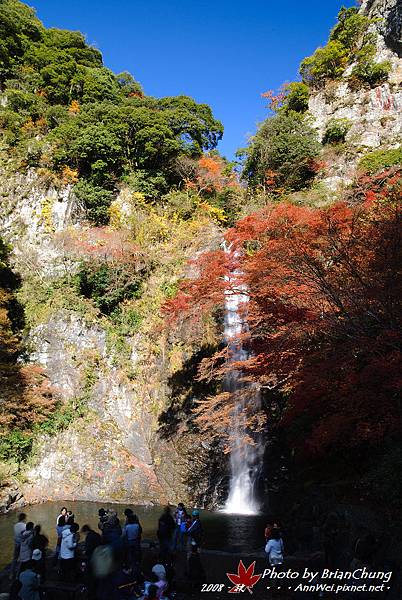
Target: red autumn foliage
(203, 290)
(323, 318)
(100, 242)
(27, 396)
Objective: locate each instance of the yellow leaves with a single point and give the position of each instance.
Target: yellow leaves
(46, 214)
(69, 176)
(115, 215)
(216, 214)
(74, 107)
(28, 126)
(139, 197)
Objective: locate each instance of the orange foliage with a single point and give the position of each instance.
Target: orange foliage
(74, 107)
(69, 176)
(209, 175)
(26, 395)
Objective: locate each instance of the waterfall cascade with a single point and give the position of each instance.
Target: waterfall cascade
(244, 457)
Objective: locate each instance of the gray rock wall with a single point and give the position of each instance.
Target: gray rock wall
(390, 14)
(113, 452)
(374, 115)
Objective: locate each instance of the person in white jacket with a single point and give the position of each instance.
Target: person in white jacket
(25, 554)
(69, 542)
(19, 529)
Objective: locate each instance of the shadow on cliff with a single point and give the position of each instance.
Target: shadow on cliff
(186, 390)
(13, 381)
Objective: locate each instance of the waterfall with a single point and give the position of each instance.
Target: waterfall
(244, 457)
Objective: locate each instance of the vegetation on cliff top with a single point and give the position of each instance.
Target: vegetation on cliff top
(352, 42)
(64, 111)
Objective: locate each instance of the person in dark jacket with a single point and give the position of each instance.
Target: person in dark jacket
(111, 528)
(102, 518)
(166, 528)
(195, 570)
(132, 540)
(40, 543)
(30, 582)
(195, 530)
(92, 540)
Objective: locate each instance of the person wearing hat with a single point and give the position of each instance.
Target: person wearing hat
(30, 582)
(38, 558)
(195, 530)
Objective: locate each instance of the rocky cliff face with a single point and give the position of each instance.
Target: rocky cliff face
(389, 13)
(374, 115)
(112, 450)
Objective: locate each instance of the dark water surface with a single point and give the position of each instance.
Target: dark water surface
(221, 531)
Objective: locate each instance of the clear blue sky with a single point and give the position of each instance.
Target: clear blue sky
(222, 52)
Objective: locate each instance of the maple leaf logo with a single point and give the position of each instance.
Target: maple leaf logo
(244, 579)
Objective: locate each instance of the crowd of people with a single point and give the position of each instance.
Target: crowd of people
(108, 562)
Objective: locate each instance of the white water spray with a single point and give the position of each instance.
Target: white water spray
(244, 457)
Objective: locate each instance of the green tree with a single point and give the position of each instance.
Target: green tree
(297, 96)
(284, 148)
(326, 63)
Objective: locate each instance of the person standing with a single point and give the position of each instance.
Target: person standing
(39, 547)
(111, 531)
(195, 530)
(60, 524)
(30, 582)
(132, 540)
(274, 548)
(92, 541)
(69, 542)
(102, 518)
(180, 516)
(166, 527)
(25, 554)
(19, 529)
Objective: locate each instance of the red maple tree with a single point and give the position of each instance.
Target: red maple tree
(323, 317)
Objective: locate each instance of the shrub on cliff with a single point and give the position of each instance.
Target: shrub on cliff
(326, 63)
(282, 153)
(378, 160)
(352, 40)
(369, 72)
(336, 131)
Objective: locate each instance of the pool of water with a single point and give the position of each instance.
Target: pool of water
(222, 531)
